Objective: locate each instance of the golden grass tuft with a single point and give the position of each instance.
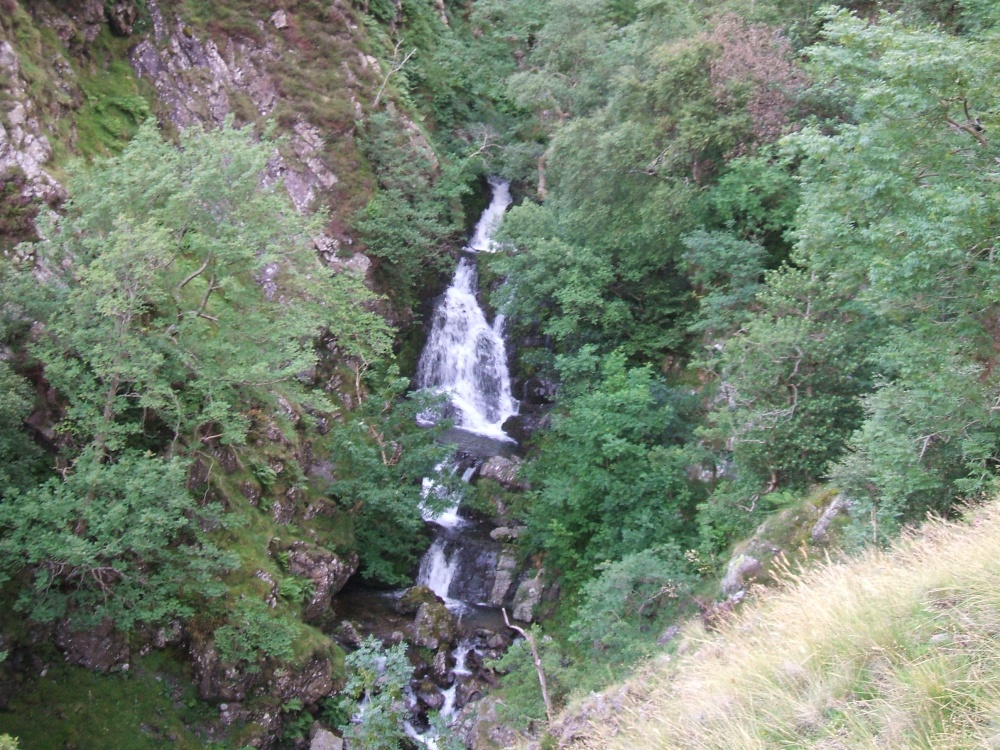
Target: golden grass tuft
(897, 649)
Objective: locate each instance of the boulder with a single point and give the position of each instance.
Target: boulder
(327, 571)
(433, 626)
(412, 598)
(503, 470)
(100, 647)
(324, 739)
(279, 19)
(506, 533)
(742, 569)
(504, 579)
(527, 598)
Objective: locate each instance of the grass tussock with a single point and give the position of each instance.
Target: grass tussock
(897, 649)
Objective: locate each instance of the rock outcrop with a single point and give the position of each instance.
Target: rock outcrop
(24, 147)
(327, 571)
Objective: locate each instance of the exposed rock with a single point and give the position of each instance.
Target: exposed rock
(503, 470)
(837, 506)
(741, 570)
(23, 146)
(505, 533)
(101, 647)
(324, 739)
(506, 572)
(433, 626)
(122, 17)
(218, 682)
(441, 667)
(348, 635)
(309, 683)
(527, 598)
(429, 695)
(273, 592)
(279, 19)
(327, 571)
(668, 635)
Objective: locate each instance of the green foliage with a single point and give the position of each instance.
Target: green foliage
(409, 225)
(120, 540)
(377, 677)
(382, 456)
(8, 743)
(626, 606)
(160, 333)
(522, 702)
(253, 634)
(611, 476)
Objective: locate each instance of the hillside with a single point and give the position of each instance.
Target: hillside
(896, 648)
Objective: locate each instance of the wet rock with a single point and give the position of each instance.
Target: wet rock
(433, 626)
(470, 691)
(496, 642)
(348, 635)
(430, 696)
(413, 597)
(101, 647)
(522, 426)
(441, 667)
(527, 598)
(503, 470)
(327, 571)
(741, 570)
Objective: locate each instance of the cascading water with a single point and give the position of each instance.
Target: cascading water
(465, 357)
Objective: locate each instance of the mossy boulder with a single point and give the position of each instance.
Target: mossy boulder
(434, 626)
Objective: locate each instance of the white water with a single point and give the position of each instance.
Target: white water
(437, 571)
(448, 518)
(465, 356)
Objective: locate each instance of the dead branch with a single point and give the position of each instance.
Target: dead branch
(530, 638)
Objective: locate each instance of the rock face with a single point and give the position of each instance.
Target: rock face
(100, 648)
(505, 575)
(327, 571)
(198, 81)
(23, 146)
(324, 739)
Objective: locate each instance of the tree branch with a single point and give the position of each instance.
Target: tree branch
(530, 638)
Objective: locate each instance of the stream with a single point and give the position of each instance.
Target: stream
(465, 359)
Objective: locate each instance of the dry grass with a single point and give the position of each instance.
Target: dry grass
(893, 650)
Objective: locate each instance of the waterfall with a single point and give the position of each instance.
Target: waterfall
(465, 356)
(437, 569)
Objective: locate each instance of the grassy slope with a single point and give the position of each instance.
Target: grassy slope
(895, 649)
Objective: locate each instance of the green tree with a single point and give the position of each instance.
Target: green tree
(611, 475)
(177, 294)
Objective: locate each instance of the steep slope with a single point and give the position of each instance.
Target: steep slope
(894, 649)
